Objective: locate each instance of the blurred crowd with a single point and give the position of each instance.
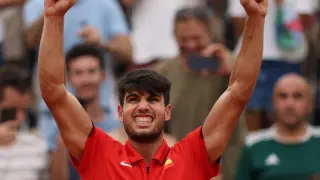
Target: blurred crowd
(277, 135)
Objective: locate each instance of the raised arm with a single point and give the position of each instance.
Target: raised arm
(72, 120)
(222, 119)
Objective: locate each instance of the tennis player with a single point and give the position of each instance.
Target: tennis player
(144, 98)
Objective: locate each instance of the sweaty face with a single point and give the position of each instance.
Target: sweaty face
(192, 36)
(18, 101)
(292, 102)
(143, 116)
(86, 76)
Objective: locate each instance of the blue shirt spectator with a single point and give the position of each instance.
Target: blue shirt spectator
(50, 132)
(104, 15)
(86, 73)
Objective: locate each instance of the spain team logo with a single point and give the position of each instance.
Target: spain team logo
(168, 163)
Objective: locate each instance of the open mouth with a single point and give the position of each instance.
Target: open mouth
(143, 119)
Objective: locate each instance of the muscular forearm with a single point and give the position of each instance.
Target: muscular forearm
(120, 47)
(247, 66)
(33, 33)
(51, 59)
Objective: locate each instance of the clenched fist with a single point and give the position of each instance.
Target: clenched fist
(255, 7)
(57, 7)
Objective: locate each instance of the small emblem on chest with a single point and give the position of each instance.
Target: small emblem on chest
(124, 163)
(272, 160)
(168, 163)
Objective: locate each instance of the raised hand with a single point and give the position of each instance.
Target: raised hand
(223, 55)
(255, 7)
(57, 7)
(90, 35)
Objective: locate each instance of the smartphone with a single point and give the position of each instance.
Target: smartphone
(197, 62)
(8, 114)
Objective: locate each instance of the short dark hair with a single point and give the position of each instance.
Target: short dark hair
(85, 49)
(194, 13)
(144, 80)
(14, 76)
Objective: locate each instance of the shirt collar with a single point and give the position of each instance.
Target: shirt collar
(303, 139)
(160, 155)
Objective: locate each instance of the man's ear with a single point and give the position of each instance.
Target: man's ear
(120, 112)
(168, 112)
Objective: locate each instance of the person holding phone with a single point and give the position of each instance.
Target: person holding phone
(23, 155)
(200, 75)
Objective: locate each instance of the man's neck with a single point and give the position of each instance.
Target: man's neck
(95, 111)
(147, 150)
(291, 135)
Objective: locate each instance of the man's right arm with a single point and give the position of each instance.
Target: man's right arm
(72, 120)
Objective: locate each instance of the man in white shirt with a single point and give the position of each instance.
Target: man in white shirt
(4, 4)
(276, 60)
(152, 27)
(23, 156)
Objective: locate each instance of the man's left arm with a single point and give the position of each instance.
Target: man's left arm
(222, 119)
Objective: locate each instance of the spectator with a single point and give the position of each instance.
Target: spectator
(5, 4)
(193, 35)
(100, 21)
(23, 156)
(290, 148)
(194, 92)
(86, 73)
(151, 23)
(1, 40)
(312, 66)
(14, 47)
(285, 48)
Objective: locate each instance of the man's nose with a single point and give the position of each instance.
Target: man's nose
(290, 101)
(143, 106)
(86, 77)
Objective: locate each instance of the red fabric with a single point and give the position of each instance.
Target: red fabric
(105, 158)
